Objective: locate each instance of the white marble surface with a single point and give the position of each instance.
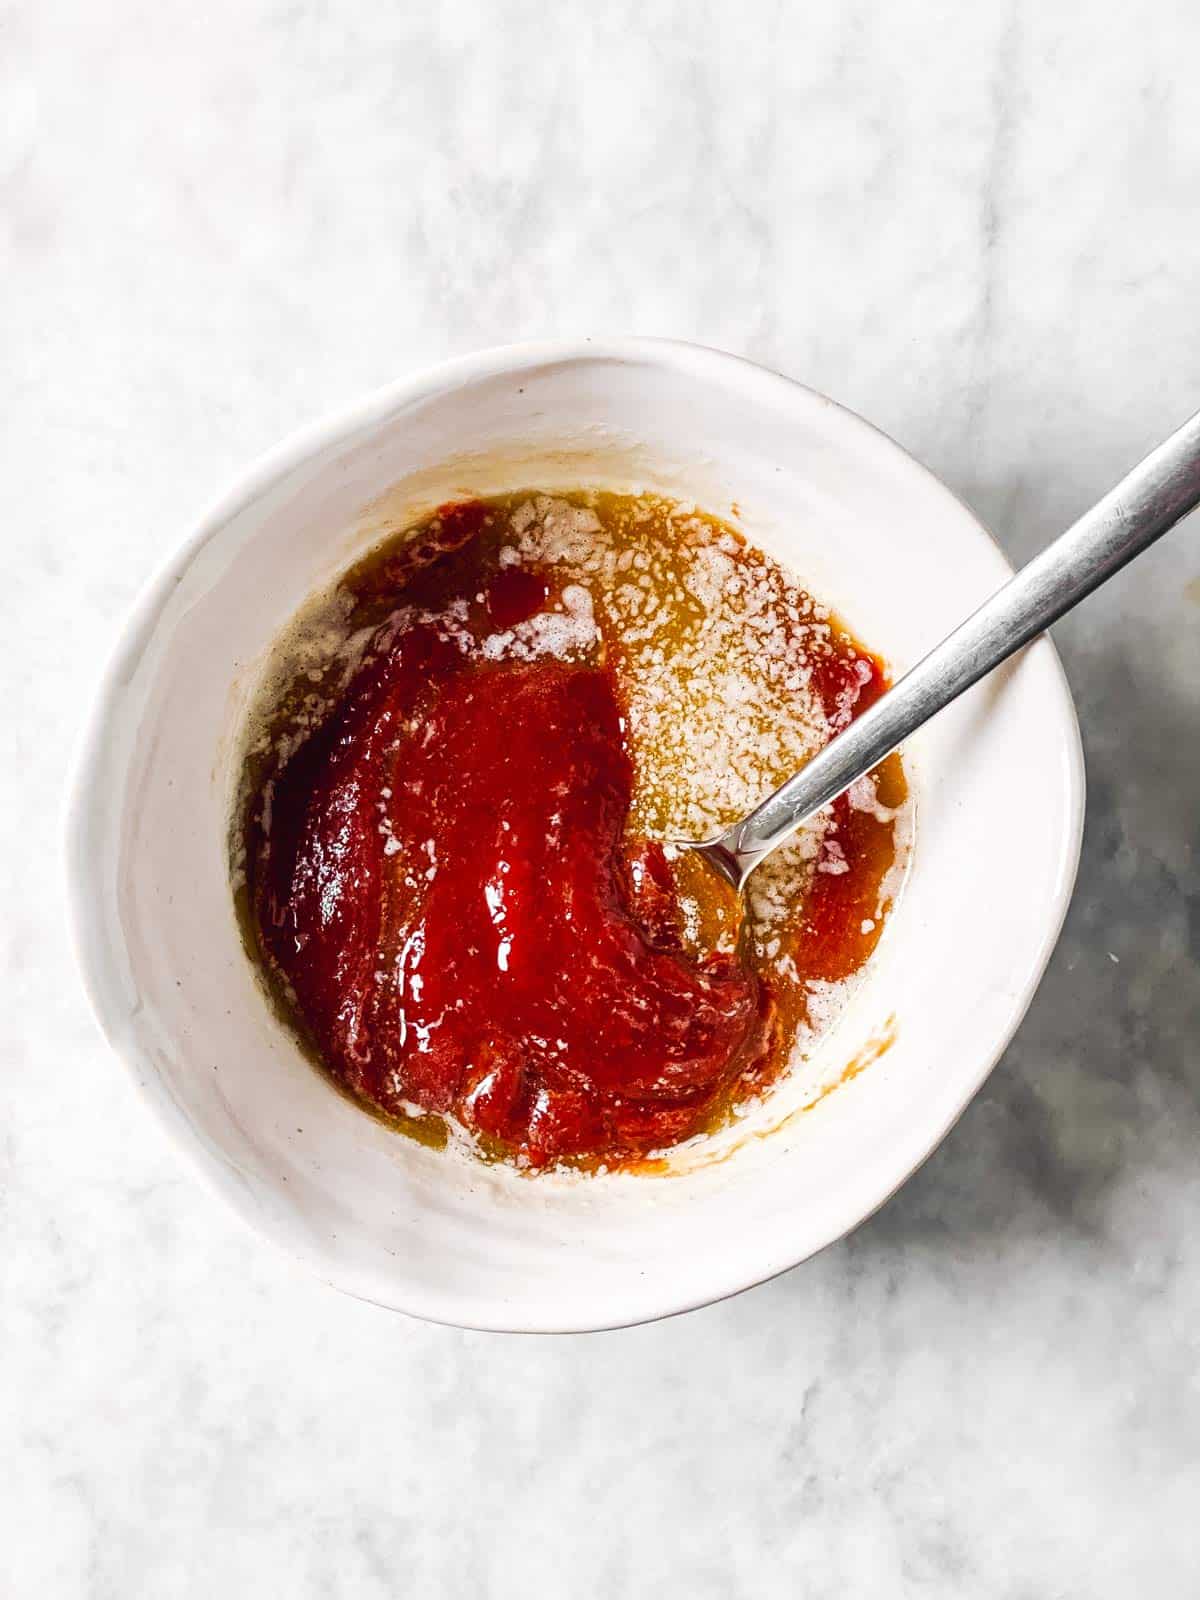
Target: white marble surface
(978, 225)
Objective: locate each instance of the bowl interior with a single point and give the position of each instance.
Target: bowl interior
(867, 530)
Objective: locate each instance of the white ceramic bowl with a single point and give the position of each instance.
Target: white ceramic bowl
(997, 780)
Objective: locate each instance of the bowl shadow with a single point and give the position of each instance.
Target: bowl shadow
(1102, 1081)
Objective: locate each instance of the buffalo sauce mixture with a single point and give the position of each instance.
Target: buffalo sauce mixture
(457, 808)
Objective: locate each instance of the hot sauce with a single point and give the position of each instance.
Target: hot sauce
(451, 877)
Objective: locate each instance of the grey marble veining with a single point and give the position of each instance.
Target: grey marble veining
(976, 225)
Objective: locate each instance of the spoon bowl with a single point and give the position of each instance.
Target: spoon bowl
(1149, 500)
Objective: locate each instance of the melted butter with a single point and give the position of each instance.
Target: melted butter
(732, 676)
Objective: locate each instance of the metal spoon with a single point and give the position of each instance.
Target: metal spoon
(1144, 505)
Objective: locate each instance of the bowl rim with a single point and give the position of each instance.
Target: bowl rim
(84, 790)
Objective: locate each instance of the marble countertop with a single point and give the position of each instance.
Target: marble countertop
(975, 225)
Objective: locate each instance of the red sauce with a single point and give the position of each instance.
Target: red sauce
(514, 594)
(839, 903)
(536, 985)
(442, 877)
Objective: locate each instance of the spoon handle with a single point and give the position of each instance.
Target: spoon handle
(1148, 501)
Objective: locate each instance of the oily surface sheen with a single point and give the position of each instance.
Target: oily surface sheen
(450, 873)
(448, 893)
